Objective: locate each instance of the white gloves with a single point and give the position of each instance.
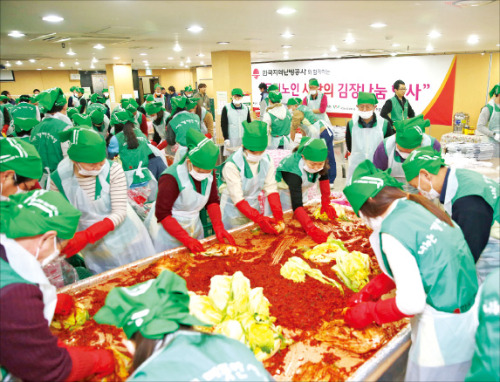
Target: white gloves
(496, 137)
(227, 143)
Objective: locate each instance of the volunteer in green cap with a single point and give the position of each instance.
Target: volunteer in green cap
(471, 199)
(158, 95)
(150, 98)
(425, 253)
(188, 91)
(184, 189)
(34, 227)
(206, 118)
(365, 131)
(78, 100)
(71, 111)
(231, 121)
(278, 119)
(20, 167)
(73, 99)
(392, 152)
(296, 174)
(246, 173)
(82, 120)
(317, 101)
(105, 93)
(96, 98)
(179, 123)
(99, 119)
(489, 119)
(398, 106)
(155, 316)
(131, 105)
(45, 135)
(485, 365)
(158, 116)
(24, 118)
(110, 233)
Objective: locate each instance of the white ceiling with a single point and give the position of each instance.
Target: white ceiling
(128, 28)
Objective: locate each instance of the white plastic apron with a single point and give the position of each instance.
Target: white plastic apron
(158, 153)
(364, 143)
(235, 118)
(126, 243)
(186, 210)
(203, 126)
(140, 171)
(313, 131)
(274, 142)
(494, 126)
(316, 104)
(26, 266)
(286, 200)
(180, 153)
(231, 216)
(161, 128)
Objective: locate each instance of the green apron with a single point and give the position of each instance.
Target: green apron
(280, 132)
(313, 127)
(399, 113)
(180, 124)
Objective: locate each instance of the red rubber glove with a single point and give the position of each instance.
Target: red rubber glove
(216, 219)
(154, 143)
(173, 227)
(91, 235)
(88, 361)
(264, 222)
(208, 135)
(162, 145)
(64, 305)
(381, 312)
(379, 285)
(275, 204)
(324, 187)
(305, 221)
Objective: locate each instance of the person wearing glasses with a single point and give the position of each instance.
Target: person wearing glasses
(398, 107)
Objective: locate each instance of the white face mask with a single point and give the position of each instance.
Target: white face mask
(237, 101)
(431, 195)
(373, 223)
(403, 155)
(365, 114)
(89, 172)
(310, 170)
(189, 95)
(313, 92)
(50, 258)
(198, 175)
(252, 157)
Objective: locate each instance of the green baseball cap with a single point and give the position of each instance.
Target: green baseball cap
(50, 98)
(153, 108)
(24, 117)
(202, 152)
(370, 98)
(255, 136)
(313, 149)
(237, 92)
(422, 158)
(367, 181)
(20, 157)
(410, 132)
(85, 145)
(275, 97)
(313, 82)
(37, 212)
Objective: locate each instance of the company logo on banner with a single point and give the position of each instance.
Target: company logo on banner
(430, 81)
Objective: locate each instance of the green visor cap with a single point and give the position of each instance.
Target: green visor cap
(367, 181)
(294, 101)
(410, 132)
(82, 120)
(71, 112)
(273, 88)
(153, 108)
(154, 308)
(202, 152)
(121, 117)
(85, 145)
(495, 90)
(255, 135)
(24, 117)
(37, 212)
(313, 149)
(364, 97)
(237, 92)
(313, 82)
(422, 158)
(20, 157)
(275, 97)
(50, 98)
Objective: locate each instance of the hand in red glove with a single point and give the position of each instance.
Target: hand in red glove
(91, 235)
(162, 145)
(173, 227)
(305, 221)
(379, 285)
(64, 305)
(88, 361)
(154, 143)
(324, 187)
(264, 222)
(381, 312)
(216, 219)
(208, 135)
(275, 205)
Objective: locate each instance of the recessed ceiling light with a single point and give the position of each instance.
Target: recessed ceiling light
(286, 46)
(429, 48)
(8, 64)
(19, 63)
(99, 46)
(202, 63)
(188, 60)
(145, 61)
(350, 40)
(53, 18)
(32, 60)
(16, 34)
(223, 42)
(116, 58)
(473, 39)
(333, 48)
(200, 55)
(39, 69)
(143, 54)
(92, 66)
(195, 29)
(94, 59)
(498, 44)
(64, 39)
(396, 44)
(61, 64)
(378, 25)
(49, 67)
(77, 63)
(434, 34)
(170, 58)
(394, 54)
(177, 47)
(164, 68)
(287, 35)
(70, 52)
(285, 11)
